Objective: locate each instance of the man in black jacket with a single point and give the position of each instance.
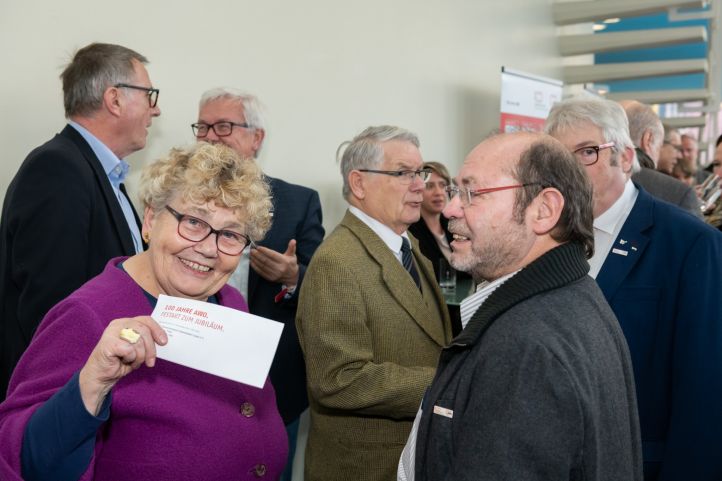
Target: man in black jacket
(539, 384)
(66, 212)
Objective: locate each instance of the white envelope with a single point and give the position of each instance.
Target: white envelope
(218, 340)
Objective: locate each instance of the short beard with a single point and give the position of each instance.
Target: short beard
(491, 260)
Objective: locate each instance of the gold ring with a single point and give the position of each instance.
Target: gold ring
(130, 335)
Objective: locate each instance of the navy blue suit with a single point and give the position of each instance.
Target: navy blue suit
(61, 223)
(296, 215)
(666, 294)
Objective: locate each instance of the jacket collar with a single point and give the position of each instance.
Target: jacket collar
(560, 266)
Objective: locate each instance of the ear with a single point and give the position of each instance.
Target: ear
(258, 136)
(148, 222)
(626, 159)
(546, 209)
(356, 184)
(113, 101)
(647, 141)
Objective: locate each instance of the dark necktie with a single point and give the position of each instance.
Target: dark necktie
(408, 261)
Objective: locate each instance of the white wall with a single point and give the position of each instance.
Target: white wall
(325, 69)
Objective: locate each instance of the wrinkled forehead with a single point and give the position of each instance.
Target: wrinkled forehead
(401, 155)
(494, 159)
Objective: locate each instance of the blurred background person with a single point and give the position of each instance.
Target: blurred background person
(647, 133)
(111, 409)
(687, 172)
(671, 151)
(432, 229)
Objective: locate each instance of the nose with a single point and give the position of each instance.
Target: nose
(417, 184)
(210, 136)
(155, 111)
(208, 247)
(453, 209)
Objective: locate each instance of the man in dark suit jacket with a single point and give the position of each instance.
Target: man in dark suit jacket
(66, 212)
(659, 269)
(647, 133)
(278, 264)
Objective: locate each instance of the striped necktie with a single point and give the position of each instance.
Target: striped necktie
(408, 261)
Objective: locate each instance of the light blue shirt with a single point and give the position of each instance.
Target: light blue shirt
(116, 170)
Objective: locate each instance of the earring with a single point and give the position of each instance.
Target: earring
(146, 237)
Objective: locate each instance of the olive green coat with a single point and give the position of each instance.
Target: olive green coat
(371, 341)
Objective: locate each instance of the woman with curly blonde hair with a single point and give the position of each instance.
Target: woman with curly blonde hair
(88, 402)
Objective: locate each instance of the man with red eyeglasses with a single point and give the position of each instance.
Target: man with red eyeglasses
(538, 385)
(659, 269)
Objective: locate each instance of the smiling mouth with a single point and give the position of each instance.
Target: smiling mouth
(195, 266)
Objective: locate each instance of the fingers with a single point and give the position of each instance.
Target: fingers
(291, 250)
(144, 350)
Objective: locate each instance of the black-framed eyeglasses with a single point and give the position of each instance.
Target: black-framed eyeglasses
(222, 129)
(466, 195)
(404, 176)
(152, 93)
(196, 230)
(590, 154)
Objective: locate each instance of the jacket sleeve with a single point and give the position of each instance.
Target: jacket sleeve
(694, 437)
(521, 421)
(50, 218)
(343, 373)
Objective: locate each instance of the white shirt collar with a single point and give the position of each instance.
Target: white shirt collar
(390, 238)
(611, 218)
(472, 303)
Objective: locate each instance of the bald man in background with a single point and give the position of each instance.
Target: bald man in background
(647, 133)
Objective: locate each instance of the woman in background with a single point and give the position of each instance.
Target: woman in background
(432, 229)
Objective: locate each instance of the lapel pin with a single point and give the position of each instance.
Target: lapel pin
(634, 248)
(622, 242)
(620, 252)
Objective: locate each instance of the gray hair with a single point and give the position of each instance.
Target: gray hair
(609, 116)
(92, 70)
(252, 107)
(668, 132)
(641, 119)
(547, 163)
(365, 150)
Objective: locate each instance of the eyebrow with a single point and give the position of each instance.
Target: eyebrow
(587, 143)
(203, 214)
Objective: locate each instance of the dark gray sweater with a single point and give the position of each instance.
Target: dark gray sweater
(539, 385)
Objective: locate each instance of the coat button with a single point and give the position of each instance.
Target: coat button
(248, 409)
(259, 470)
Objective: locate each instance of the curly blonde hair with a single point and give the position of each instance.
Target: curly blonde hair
(206, 173)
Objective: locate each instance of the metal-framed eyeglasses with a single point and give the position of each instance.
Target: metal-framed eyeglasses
(467, 195)
(404, 176)
(589, 155)
(196, 230)
(152, 93)
(221, 129)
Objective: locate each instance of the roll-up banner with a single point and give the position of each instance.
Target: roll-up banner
(526, 100)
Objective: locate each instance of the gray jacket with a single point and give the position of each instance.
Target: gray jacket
(539, 385)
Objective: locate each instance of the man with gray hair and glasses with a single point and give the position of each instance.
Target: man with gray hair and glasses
(659, 269)
(371, 318)
(66, 212)
(270, 274)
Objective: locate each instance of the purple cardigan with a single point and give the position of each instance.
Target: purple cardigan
(169, 422)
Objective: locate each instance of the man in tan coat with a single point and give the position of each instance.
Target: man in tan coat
(371, 319)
